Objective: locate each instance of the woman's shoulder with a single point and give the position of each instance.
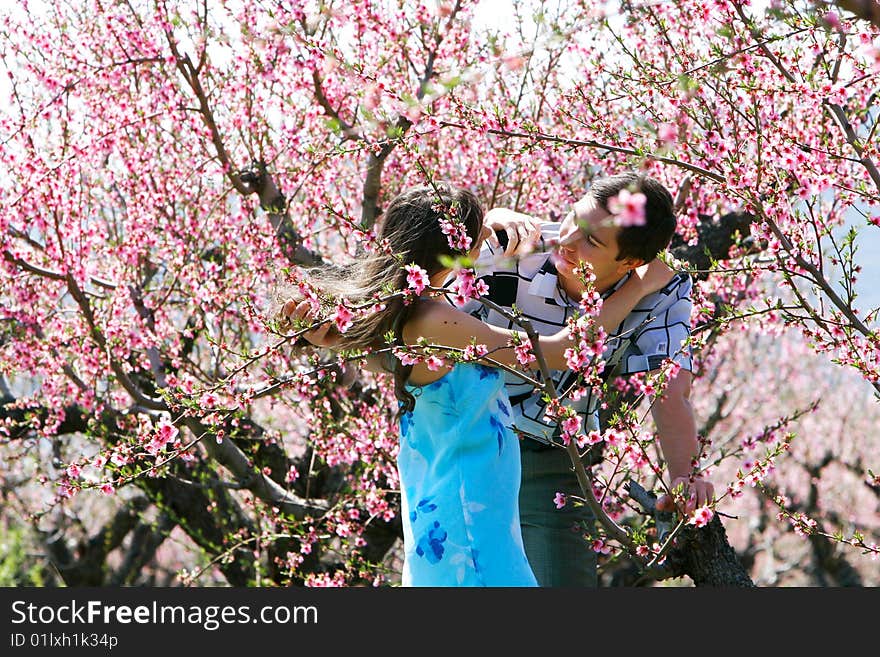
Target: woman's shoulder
(426, 316)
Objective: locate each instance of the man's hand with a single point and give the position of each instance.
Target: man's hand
(699, 493)
(677, 433)
(302, 311)
(653, 277)
(523, 231)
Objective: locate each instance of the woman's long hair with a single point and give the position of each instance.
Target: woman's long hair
(411, 231)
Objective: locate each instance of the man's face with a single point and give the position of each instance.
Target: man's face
(587, 234)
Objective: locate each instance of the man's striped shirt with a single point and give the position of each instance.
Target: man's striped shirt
(651, 333)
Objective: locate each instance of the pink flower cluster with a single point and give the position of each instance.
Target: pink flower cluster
(309, 295)
(466, 286)
(801, 523)
(570, 427)
(475, 351)
(417, 278)
(668, 133)
(434, 362)
(407, 357)
(579, 357)
(456, 234)
(165, 433)
(591, 301)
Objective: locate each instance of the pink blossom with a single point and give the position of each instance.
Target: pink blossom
(209, 400)
(434, 363)
(614, 437)
(673, 367)
(667, 132)
(465, 286)
(701, 516)
(343, 318)
(107, 488)
(559, 500)
(832, 20)
(577, 359)
(628, 208)
(66, 491)
(571, 424)
(73, 471)
(524, 353)
(408, 357)
(166, 432)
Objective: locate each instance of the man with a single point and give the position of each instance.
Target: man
(546, 287)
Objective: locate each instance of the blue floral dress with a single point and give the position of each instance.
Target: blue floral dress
(459, 467)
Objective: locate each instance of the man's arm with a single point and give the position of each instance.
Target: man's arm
(677, 433)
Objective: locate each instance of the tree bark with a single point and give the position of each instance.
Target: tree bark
(707, 558)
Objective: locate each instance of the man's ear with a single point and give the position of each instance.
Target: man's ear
(632, 263)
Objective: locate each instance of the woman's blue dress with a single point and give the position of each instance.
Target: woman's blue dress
(459, 466)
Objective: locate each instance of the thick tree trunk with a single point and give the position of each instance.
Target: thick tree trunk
(707, 558)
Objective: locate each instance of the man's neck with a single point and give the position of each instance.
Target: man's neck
(574, 288)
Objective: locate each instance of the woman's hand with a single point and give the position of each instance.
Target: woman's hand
(303, 312)
(653, 277)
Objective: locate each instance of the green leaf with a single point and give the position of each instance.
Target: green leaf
(687, 83)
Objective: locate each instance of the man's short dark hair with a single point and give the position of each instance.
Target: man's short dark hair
(642, 242)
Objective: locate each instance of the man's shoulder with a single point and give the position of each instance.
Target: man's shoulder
(680, 285)
(671, 304)
(677, 289)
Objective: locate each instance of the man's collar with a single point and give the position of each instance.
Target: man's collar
(546, 284)
(611, 290)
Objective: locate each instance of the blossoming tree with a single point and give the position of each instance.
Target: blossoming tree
(168, 164)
